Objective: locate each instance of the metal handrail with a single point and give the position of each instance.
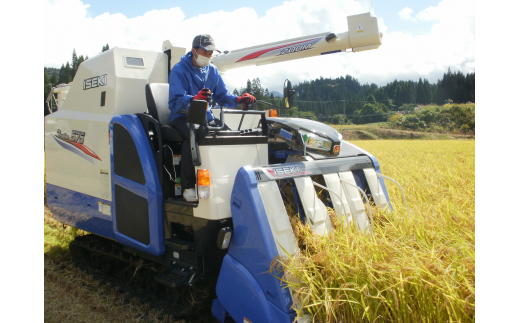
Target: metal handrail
(233, 111)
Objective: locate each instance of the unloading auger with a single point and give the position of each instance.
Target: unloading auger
(112, 165)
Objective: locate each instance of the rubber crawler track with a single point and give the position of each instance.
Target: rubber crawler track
(107, 260)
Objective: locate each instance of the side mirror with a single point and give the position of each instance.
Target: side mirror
(197, 112)
(288, 94)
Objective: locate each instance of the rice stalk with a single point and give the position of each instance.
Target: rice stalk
(417, 269)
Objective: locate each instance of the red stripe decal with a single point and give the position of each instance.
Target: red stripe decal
(263, 51)
(84, 149)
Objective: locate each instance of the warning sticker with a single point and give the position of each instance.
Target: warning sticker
(247, 321)
(104, 208)
(105, 184)
(359, 27)
(176, 159)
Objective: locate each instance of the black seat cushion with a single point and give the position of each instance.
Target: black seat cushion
(170, 134)
(157, 101)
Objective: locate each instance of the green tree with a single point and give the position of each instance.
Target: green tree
(54, 79)
(256, 89)
(371, 99)
(381, 96)
(338, 119)
(74, 62)
(105, 48)
(248, 88)
(409, 93)
(65, 74)
(370, 113)
(399, 96)
(292, 112)
(428, 92)
(46, 85)
(421, 94)
(46, 91)
(307, 115)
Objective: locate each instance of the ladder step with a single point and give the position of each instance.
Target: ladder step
(181, 202)
(179, 244)
(170, 281)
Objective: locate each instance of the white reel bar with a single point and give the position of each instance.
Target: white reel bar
(315, 210)
(339, 198)
(378, 195)
(354, 199)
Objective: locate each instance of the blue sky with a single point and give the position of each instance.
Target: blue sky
(420, 38)
(389, 10)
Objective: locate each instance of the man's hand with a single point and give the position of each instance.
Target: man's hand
(204, 94)
(246, 98)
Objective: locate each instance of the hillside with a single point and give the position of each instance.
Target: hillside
(380, 131)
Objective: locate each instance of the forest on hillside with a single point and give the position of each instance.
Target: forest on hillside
(337, 100)
(345, 99)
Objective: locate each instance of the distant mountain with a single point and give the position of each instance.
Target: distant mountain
(277, 94)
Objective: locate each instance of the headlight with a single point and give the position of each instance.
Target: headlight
(316, 142)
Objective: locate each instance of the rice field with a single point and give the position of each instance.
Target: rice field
(416, 269)
(419, 268)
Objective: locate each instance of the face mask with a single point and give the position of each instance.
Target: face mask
(202, 60)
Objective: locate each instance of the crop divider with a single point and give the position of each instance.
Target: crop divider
(366, 198)
(402, 191)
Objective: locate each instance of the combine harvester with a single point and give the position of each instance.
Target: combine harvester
(112, 166)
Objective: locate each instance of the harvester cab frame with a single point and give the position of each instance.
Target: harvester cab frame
(112, 165)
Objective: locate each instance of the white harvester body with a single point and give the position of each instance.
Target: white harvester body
(108, 84)
(107, 148)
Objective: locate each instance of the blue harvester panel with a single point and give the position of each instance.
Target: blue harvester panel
(79, 210)
(151, 190)
(245, 288)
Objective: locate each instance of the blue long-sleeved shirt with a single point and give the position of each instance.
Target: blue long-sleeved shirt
(187, 80)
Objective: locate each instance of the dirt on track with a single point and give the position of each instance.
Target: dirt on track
(74, 294)
(77, 291)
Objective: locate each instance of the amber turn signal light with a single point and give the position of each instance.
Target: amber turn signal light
(203, 177)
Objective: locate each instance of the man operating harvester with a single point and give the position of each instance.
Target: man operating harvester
(195, 78)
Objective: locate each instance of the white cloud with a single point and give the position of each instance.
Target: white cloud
(451, 42)
(406, 14)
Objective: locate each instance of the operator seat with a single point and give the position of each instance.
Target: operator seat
(157, 95)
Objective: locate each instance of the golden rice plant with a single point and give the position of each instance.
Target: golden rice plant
(410, 269)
